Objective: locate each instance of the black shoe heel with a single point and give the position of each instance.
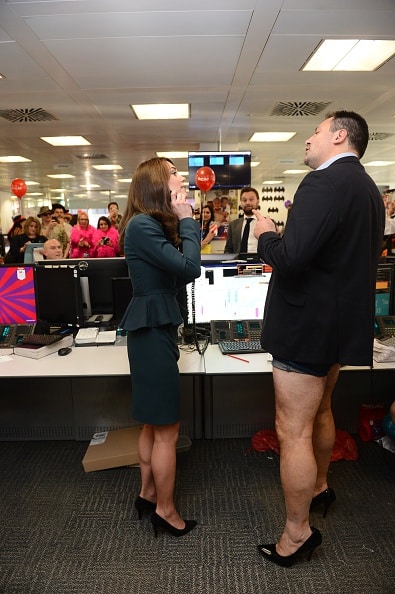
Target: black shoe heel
(269, 550)
(144, 506)
(325, 498)
(159, 522)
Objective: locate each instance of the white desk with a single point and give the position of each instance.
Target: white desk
(87, 391)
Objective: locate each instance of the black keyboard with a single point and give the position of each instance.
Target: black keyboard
(234, 347)
(41, 339)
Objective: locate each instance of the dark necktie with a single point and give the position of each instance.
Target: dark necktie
(244, 238)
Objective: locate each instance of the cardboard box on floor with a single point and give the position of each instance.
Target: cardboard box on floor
(112, 448)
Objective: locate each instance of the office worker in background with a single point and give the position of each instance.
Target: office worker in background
(81, 239)
(52, 250)
(114, 215)
(319, 313)
(31, 234)
(106, 239)
(61, 229)
(17, 227)
(158, 220)
(45, 215)
(241, 238)
(208, 228)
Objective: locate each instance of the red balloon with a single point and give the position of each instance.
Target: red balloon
(205, 178)
(18, 187)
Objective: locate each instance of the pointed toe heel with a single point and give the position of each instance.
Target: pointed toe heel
(325, 498)
(269, 550)
(143, 506)
(159, 523)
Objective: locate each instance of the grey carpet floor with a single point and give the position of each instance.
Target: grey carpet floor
(63, 531)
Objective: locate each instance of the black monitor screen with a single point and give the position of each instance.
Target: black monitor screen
(17, 295)
(100, 272)
(384, 290)
(231, 169)
(59, 300)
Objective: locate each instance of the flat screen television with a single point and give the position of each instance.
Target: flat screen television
(228, 292)
(17, 294)
(232, 168)
(99, 272)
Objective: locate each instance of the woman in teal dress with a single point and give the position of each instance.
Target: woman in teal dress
(162, 248)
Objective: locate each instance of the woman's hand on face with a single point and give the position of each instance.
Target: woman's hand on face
(180, 205)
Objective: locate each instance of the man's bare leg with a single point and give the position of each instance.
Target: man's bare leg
(298, 397)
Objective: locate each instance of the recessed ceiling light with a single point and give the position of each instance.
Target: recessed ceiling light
(32, 183)
(89, 186)
(107, 167)
(350, 55)
(296, 171)
(378, 163)
(14, 159)
(125, 180)
(34, 194)
(273, 181)
(162, 111)
(173, 154)
(272, 136)
(65, 140)
(255, 163)
(61, 175)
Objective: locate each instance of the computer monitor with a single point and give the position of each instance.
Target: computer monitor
(59, 298)
(228, 292)
(99, 272)
(122, 292)
(384, 290)
(33, 253)
(17, 294)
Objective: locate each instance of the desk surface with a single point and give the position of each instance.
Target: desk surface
(87, 361)
(113, 361)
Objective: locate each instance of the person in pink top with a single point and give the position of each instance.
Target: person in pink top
(81, 240)
(106, 239)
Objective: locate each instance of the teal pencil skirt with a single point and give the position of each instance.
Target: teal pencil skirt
(153, 354)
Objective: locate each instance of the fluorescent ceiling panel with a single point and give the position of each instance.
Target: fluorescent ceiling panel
(162, 111)
(350, 55)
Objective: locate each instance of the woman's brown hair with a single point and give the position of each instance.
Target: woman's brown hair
(149, 194)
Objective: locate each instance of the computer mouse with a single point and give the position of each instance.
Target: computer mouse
(64, 351)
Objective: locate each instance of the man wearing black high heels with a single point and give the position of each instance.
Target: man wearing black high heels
(319, 313)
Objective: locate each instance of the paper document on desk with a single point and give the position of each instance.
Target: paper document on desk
(383, 352)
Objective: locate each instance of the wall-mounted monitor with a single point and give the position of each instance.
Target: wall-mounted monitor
(232, 168)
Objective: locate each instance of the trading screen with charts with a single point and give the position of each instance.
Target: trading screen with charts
(228, 293)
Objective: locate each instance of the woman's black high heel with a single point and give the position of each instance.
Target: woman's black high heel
(325, 498)
(144, 506)
(269, 551)
(159, 522)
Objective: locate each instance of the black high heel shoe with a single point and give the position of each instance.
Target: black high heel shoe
(159, 522)
(269, 550)
(325, 498)
(144, 506)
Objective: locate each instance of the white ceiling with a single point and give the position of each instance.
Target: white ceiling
(85, 61)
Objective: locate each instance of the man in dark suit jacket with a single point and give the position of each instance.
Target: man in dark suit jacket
(319, 312)
(249, 200)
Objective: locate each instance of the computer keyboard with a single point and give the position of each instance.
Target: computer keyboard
(234, 347)
(41, 339)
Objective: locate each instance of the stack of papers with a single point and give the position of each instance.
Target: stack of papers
(92, 337)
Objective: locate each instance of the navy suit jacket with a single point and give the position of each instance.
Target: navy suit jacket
(321, 298)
